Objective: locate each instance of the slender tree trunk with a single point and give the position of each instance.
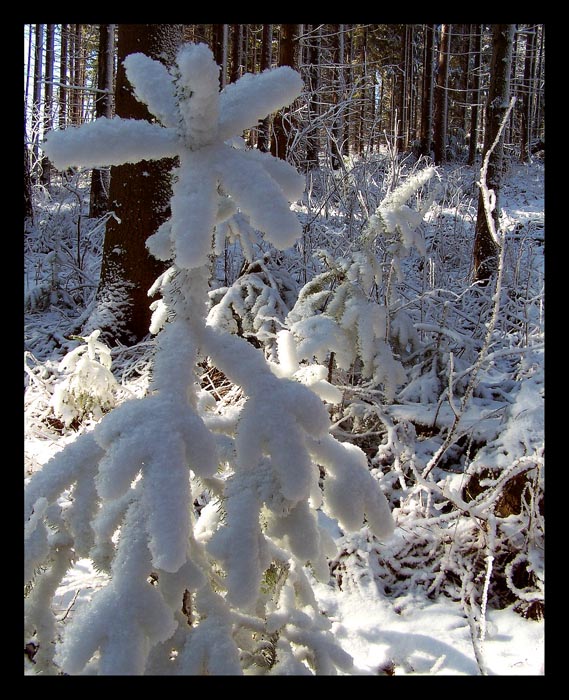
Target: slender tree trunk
(236, 51)
(427, 101)
(139, 196)
(338, 125)
(263, 143)
(312, 79)
(217, 49)
(36, 99)
(462, 77)
(279, 144)
(441, 97)
(537, 111)
(475, 98)
(485, 249)
(527, 88)
(28, 201)
(100, 177)
(77, 80)
(63, 77)
(48, 99)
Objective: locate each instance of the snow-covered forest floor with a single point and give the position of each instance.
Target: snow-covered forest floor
(456, 444)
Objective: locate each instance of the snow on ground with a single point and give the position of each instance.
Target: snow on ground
(416, 636)
(411, 634)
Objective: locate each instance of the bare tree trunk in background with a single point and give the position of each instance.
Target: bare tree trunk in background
(427, 97)
(28, 201)
(441, 97)
(338, 125)
(485, 249)
(263, 142)
(101, 177)
(78, 76)
(139, 195)
(289, 32)
(529, 61)
(475, 97)
(217, 49)
(63, 77)
(45, 176)
(312, 79)
(36, 99)
(236, 52)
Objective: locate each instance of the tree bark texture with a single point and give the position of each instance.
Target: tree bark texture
(100, 178)
(485, 249)
(263, 140)
(139, 196)
(441, 98)
(279, 142)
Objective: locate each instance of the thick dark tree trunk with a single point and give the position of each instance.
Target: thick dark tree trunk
(100, 178)
(485, 248)
(139, 196)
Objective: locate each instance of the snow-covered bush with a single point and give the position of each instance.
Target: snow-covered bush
(256, 304)
(341, 310)
(86, 387)
(226, 588)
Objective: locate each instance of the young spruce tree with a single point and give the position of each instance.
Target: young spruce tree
(224, 589)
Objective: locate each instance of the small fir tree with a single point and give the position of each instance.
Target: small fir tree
(226, 589)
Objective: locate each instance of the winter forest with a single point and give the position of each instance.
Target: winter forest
(284, 349)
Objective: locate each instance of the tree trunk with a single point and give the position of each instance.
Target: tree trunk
(337, 146)
(36, 100)
(263, 142)
(312, 79)
(236, 52)
(427, 101)
(279, 144)
(77, 78)
(28, 201)
(529, 60)
(485, 249)
(139, 195)
(217, 49)
(475, 98)
(63, 77)
(100, 177)
(441, 97)
(48, 99)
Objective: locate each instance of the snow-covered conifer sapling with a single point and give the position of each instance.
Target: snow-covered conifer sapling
(226, 590)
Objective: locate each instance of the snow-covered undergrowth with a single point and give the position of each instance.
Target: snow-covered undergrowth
(357, 363)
